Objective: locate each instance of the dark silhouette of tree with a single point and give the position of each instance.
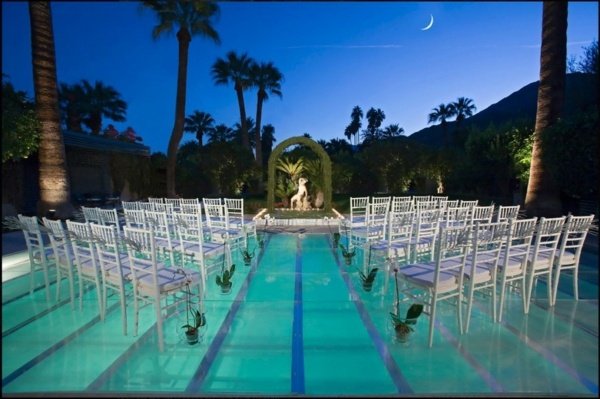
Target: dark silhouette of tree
(441, 114)
(354, 127)
(393, 130)
(588, 62)
(221, 132)
(543, 197)
(55, 191)
(235, 69)
(372, 133)
(189, 18)
(100, 101)
(200, 123)
(463, 108)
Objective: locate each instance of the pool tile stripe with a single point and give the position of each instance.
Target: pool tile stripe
(298, 382)
(402, 386)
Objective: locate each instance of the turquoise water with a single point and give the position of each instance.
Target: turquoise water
(298, 323)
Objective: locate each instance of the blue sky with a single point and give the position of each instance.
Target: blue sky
(333, 55)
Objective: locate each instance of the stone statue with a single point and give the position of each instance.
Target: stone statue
(300, 200)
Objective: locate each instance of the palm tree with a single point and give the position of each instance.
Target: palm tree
(199, 123)
(267, 140)
(441, 113)
(236, 69)
(221, 133)
(267, 79)
(53, 180)
(101, 100)
(189, 18)
(238, 129)
(71, 102)
(543, 198)
(354, 127)
(372, 132)
(463, 108)
(393, 130)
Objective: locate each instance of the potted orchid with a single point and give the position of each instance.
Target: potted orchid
(335, 236)
(346, 252)
(403, 327)
(368, 276)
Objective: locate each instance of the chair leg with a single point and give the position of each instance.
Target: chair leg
(432, 321)
(47, 281)
(124, 312)
(576, 282)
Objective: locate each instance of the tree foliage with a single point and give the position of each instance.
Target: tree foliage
(20, 126)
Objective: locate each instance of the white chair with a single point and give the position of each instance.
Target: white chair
(542, 253)
(91, 214)
(108, 217)
(174, 202)
(482, 263)
(439, 200)
(512, 262)
(401, 204)
(114, 266)
(195, 251)
(482, 214)
(189, 201)
(375, 227)
(63, 256)
(86, 260)
(569, 252)
(235, 215)
(135, 218)
(441, 278)
(425, 205)
(470, 204)
(41, 255)
(156, 200)
(396, 245)
(505, 213)
(153, 282)
(219, 227)
(424, 234)
(421, 198)
(212, 201)
(191, 208)
(165, 235)
(130, 205)
(452, 204)
(359, 209)
(381, 200)
(456, 216)
(145, 206)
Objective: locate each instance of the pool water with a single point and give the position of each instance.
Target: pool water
(298, 322)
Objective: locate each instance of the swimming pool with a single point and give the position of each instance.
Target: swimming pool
(298, 323)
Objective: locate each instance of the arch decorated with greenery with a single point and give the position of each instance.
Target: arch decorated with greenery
(325, 161)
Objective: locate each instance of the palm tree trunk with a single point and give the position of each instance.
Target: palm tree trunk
(543, 196)
(258, 143)
(184, 38)
(240, 96)
(53, 178)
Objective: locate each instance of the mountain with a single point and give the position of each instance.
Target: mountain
(581, 91)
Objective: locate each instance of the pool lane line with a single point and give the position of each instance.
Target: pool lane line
(400, 382)
(546, 354)
(298, 378)
(197, 380)
(41, 314)
(54, 348)
(97, 384)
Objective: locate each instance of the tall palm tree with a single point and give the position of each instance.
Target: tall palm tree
(442, 113)
(221, 133)
(267, 79)
(236, 69)
(393, 130)
(238, 129)
(53, 180)
(100, 101)
(267, 139)
(189, 18)
(355, 124)
(200, 123)
(543, 197)
(71, 101)
(463, 108)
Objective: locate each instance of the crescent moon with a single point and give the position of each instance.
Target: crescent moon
(430, 23)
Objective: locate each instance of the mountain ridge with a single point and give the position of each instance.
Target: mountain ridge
(581, 90)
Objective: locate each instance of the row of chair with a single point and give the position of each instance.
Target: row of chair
(132, 261)
(489, 256)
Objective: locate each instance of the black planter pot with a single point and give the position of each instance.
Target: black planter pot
(226, 289)
(192, 337)
(367, 287)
